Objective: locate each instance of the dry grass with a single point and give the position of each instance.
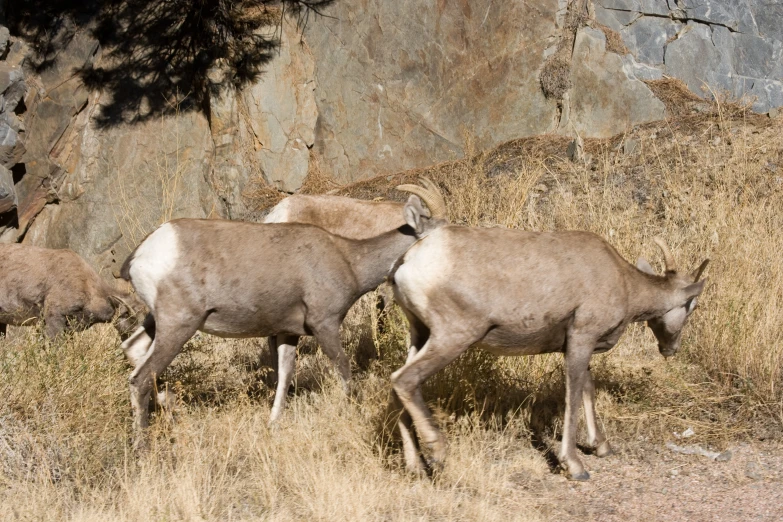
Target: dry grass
(555, 76)
(614, 41)
(711, 183)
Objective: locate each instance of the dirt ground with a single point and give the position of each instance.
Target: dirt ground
(652, 482)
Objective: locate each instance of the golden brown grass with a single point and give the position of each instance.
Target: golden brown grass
(710, 183)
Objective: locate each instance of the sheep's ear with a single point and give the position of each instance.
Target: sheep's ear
(414, 212)
(694, 290)
(644, 266)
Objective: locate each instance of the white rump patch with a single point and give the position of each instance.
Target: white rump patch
(153, 261)
(279, 213)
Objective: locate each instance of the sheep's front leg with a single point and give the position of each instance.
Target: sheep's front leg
(55, 324)
(577, 360)
(285, 348)
(328, 337)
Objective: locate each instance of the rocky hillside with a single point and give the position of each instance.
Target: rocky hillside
(372, 88)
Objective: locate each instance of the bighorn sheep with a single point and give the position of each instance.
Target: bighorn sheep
(514, 292)
(348, 217)
(60, 286)
(235, 279)
(353, 219)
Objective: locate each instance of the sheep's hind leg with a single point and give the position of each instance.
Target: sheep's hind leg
(577, 359)
(595, 437)
(170, 337)
(138, 344)
(435, 355)
(414, 462)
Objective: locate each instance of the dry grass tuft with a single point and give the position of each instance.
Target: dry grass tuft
(678, 99)
(555, 76)
(614, 42)
(317, 181)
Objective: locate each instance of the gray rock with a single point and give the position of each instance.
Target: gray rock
(576, 150)
(713, 11)
(605, 100)
(9, 75)
(128, 179)
(769, 17)
(615, 19)
(11, 147)
(654, 7)
(7, 192)
(648, 36)
(694, 59)
(753, 56)
(640, 71)
(768, 94)
(724, 456)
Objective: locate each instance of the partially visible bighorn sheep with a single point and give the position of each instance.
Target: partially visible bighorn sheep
(61, 287)
(235, 279)
(353, 218)
(513, 292)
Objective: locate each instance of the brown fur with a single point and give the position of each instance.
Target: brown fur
(523, 293)
(59, 286)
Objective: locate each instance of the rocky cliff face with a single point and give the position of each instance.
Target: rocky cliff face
(721, 46)
(375, 88)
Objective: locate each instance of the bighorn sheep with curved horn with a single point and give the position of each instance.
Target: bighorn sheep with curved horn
(354, 218)
(61, 287)
(235, 279)
(514, 292)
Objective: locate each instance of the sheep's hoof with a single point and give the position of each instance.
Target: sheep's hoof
(417, 468)
(581, 476)
(604, 450)
(141, 444)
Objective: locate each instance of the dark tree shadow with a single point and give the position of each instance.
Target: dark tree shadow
(159, 56)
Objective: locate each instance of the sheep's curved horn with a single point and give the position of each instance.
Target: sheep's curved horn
(431, 195)
(121, 300)
(667, 255)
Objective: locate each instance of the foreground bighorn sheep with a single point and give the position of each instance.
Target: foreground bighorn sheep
(61, 287)
(523, 293)
(235, 279)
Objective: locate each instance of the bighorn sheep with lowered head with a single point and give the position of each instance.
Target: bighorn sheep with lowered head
(349, 217)
(514, 292)
(61, 287)
(235, 279)
(352, 218)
